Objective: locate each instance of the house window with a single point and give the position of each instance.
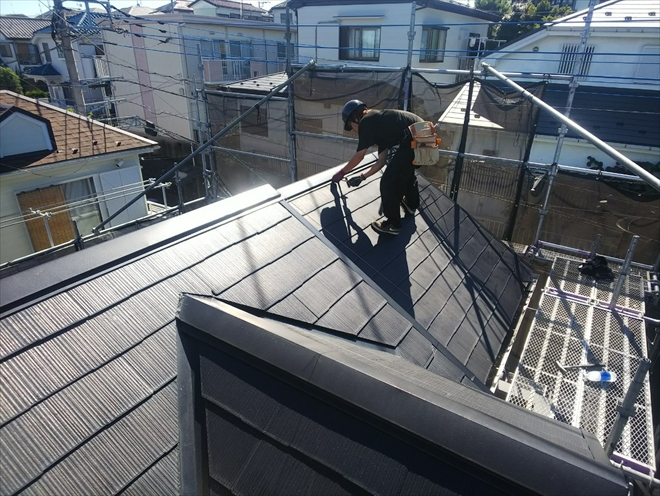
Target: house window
(255, 123)
(281, 51)
(570, 55)
(60, 52)
(5, 51)
(47, 52)
(359, 43)
(66, 202)
(433, 44)
(648, 68)
(283, 18)
(27, 54)
(240, 49)
(213, 49)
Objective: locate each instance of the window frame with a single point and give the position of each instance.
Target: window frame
(32, 51)
(436, 54)
(350, 52)
(8, 46)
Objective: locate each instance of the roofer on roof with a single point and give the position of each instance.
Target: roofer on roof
(389, 130)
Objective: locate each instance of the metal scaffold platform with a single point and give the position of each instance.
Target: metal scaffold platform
(574, 326)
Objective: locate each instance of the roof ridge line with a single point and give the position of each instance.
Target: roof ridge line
(398, 308)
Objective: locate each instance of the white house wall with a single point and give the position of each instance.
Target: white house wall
(169, 67)
(155, 92)
(14, 239)
(576, 152)
(318, 32)
(616, 56)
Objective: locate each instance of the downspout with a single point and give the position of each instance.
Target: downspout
(293, 169)
(521, 180)
(407, 90)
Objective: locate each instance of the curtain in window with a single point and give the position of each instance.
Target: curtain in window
(47, 200)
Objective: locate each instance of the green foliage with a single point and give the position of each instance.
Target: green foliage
(499, 7)
(522, 20)
(37, 94)
(9, 80)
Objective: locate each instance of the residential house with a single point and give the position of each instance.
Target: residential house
(278, 12)
(161, 62)
(446, 34)
(618, 97)
(302, 352)
(17, 49)
(230, 9)
(88, 53)
(57, 167)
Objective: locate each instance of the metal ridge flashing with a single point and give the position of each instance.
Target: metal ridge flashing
(38, 281)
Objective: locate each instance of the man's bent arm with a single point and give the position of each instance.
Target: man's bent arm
(380, 163)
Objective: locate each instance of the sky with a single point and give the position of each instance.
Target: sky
(32, 8)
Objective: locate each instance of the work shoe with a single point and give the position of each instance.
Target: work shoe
(385, 227)
(409, 210)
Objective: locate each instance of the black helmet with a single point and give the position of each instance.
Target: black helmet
(348, 110)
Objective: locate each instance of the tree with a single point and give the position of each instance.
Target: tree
(528, 18)
(9, 80)
(499, 7)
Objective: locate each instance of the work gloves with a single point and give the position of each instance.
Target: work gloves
(338, 176)
(355, 181)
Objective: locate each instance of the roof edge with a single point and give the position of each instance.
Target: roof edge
(36, 283)
(391, 399)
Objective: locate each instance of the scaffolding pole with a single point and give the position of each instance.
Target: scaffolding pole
(649, 178)
(221, 133)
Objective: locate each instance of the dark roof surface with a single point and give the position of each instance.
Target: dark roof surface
(21, 28)
(449, 273)
(285, 411)
(615, 115)
(87, 342)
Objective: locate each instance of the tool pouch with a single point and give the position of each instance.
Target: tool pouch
(425, 143)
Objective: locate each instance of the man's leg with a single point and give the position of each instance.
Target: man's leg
(396, 179)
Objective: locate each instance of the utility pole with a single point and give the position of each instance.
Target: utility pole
(62, 36)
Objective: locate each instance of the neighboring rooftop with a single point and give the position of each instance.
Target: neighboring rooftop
(74, 136)
(21, 28)
(615, 115)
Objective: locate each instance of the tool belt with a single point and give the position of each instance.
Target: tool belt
(425, 143)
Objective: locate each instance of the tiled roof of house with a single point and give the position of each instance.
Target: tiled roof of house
(82, 22)
(21, 28)
(88, 342)
(615, 115)
(75, 136)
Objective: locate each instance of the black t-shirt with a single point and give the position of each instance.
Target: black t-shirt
(384, 128)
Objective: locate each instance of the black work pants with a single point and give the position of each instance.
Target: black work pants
(398, 181)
